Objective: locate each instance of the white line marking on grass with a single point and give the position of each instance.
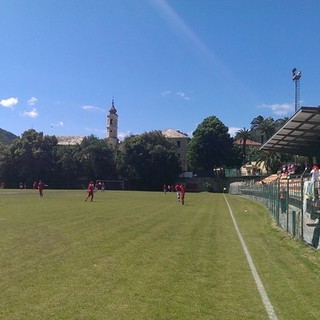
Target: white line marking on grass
(265, 299)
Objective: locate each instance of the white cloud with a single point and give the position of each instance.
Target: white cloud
(58, 124)
(123, 135)
(165, 93)
(233, 130)
(9, 103)
(32, 101)
(92, 108)
(31, 114)
(280, 109)
(183, 95)
(87, 107)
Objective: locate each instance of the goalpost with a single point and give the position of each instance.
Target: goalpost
(111, 184)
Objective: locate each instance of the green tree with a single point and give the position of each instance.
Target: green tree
(35, 156)
(29, 158)
(280, 122)
(264, 127)
(244, 135)
(211, 146)
(273, 160)
(149, 160)
(96, 159)
(68, 168)
(4, 162)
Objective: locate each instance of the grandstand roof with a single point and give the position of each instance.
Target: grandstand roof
(300, 135)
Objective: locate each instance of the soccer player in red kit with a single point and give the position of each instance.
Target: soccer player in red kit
(90, 191)
(178, 189)
(40, 188)
(182, 193)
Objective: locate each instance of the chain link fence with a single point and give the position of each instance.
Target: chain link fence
(293, 203)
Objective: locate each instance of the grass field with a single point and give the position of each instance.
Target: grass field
(142, 255)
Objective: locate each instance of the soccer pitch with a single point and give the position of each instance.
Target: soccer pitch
(142, 255)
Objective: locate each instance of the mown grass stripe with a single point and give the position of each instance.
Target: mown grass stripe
(142, 255)
(264, 296)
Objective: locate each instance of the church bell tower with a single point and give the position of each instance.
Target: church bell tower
(112, 126)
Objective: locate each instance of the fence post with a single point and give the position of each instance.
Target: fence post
(288, 194)
(293, 223)
(278, 203)
(301, 201)
(287, 201)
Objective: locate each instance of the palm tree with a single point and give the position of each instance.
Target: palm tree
(280, 122)
(273, 160)
(244, 135)
(268, 128)
(265, 126)
(256, 122)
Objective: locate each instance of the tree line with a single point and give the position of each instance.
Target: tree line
(144, 161)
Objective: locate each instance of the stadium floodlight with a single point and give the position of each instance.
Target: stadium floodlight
(296, 75)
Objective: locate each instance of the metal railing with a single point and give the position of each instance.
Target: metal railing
(292, 205)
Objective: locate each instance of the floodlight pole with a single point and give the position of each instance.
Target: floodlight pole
(296, 78)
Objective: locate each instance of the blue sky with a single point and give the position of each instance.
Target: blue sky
(166, 63)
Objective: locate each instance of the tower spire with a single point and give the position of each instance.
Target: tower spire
(112, 125)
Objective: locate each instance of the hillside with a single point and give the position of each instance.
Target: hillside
(7, 137)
